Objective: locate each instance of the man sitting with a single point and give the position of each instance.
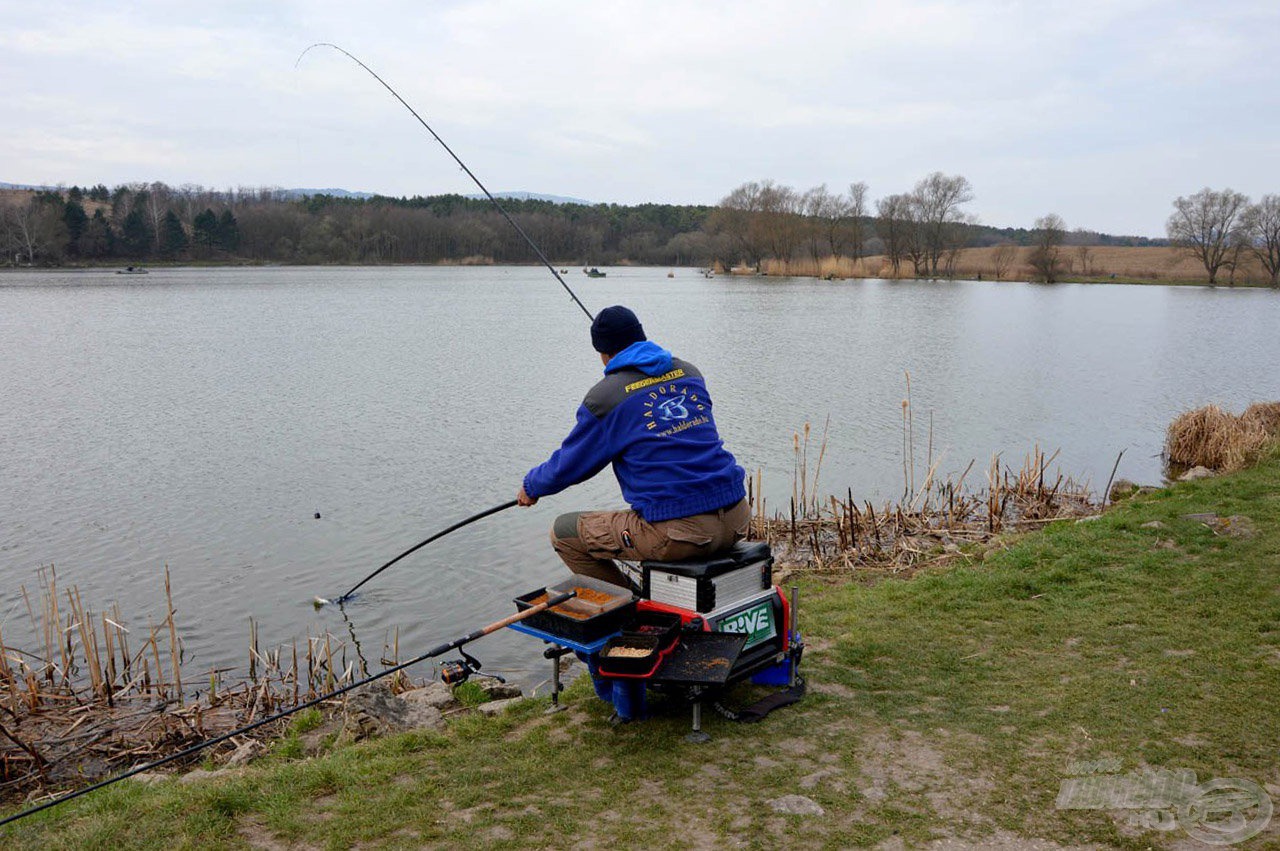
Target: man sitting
(651, 418)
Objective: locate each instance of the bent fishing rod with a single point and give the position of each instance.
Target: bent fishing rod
(322, 601)
(458, 160)
(437, 651)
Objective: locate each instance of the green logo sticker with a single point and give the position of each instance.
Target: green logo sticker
(756, 622)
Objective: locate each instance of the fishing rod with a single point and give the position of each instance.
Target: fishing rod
(322, 601)
(459, 161)
(437, 651)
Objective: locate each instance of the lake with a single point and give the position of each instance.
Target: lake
(200, 418)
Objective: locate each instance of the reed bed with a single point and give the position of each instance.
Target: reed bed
(1220, 440)
(94, 696)
(1264, 414)
(936, 520)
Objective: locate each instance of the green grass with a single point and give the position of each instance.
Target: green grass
(949, 705)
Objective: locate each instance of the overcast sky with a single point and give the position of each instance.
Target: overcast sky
(1100, 110)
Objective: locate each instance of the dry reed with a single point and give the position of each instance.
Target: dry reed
(1264, 414)
(1220, 440)
(932, 523)
(94, 698)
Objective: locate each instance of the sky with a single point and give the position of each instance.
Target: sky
(1102, 111)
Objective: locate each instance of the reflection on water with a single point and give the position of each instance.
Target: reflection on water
(201, 418)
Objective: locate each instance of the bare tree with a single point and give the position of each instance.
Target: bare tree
(780, 216)
(816, 205)
(737, 219)
(1236, 252)
(938, 199)
(1002, 259)
(1260, 226)
(1046, 252)
(157, 205)
(855, 211)
(1203, 225)
(34, 228)
(1085, 255)
(895, 223)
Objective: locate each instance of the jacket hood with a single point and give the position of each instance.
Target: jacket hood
(646, 356)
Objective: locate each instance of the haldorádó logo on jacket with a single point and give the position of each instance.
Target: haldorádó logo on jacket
(651, 418)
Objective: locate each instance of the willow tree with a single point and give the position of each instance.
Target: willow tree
(1261, 227)
(1206, 225)
(1046, 251)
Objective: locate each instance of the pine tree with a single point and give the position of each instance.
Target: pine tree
(135, 234)
(204, 229)
(73, 215)
(98, 239)
(228, 232)
(173, 238)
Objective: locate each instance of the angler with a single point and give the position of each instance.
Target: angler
(651, 418)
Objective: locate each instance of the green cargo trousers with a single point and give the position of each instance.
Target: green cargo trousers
(589, 541)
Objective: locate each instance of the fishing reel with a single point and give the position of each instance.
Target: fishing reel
(460, 670)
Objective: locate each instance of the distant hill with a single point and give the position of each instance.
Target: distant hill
(537, 196)
(335, 193)
(514, 195)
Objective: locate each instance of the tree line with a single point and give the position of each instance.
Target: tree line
(139, 222)
(920, 231)
(135, 222)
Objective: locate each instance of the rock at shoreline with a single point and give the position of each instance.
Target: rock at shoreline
(1123, 489)
(245, 752)
(1196, 473)
(374, 711)
(149, 778)
(436, 695)
(495, 689)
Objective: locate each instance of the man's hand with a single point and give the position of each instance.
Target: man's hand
(524, 499)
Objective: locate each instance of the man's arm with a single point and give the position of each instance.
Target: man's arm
(584, 453)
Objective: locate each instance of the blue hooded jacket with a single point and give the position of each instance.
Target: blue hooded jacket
(651, 418)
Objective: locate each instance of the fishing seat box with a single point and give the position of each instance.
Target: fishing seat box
(704, 585)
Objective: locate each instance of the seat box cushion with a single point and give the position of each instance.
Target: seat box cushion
(740, 555)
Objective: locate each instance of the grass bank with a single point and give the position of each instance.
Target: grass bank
(947, 707)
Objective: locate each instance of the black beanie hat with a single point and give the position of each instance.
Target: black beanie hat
(615, 328)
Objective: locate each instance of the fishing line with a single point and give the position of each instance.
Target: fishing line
(321, 601)
(459, 161)
(437, 651)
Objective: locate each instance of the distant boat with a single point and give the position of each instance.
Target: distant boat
(131, 270)
(593, 272)
(671, 274)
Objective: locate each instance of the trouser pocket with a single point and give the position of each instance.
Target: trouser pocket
(598, 533)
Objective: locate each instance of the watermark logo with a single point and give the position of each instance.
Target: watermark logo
(1222, 811)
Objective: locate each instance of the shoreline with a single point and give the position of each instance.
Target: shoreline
(947, 707)
(252, 264)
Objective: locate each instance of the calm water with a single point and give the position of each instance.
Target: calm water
(200, 418)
